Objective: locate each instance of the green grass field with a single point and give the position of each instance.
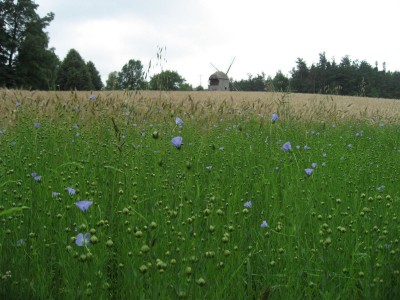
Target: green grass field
(230, 214)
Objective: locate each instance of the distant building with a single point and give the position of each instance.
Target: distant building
(218, 81)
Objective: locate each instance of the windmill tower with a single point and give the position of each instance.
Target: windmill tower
(219, 81)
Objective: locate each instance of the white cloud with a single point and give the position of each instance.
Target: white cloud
(264, 36)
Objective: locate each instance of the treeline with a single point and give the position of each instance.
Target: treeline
(27, 62)
(354, 78)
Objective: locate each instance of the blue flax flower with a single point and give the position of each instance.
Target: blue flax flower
(264, 224)
(179, 122)
(248, 204)
(287, 146)
(71, 191)
(37, 125)
(84, 205)
(177, 141)
(309, 171)
(35, 176)
(274, 118)
(82, 239)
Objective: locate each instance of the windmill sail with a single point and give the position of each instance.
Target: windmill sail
(230, 65)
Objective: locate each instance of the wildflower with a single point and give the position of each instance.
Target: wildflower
(248, 204)
(55, 194)
(323, 154)
(35, 176)
(1, 131)
(264, 224)
(82, 239)
(314, 165)
(76, 126)
(380, 188)
(274, 118)
(37, 125)
(209, 167)
(307, 147)
(179, 122)
(18, 104)
(323, 164)
(13, 143)
(350, 145)
(92, 97)
(287, 146)
(84, 205)
(71, 191)
(309, 171)
(222, 148)
(177, 141)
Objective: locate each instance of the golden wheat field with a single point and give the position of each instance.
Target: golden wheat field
(199, 105)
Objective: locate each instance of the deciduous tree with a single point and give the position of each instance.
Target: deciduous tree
(167, 80)
(131, 76)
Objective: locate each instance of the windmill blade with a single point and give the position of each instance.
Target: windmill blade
(214, 67)
(230, 65)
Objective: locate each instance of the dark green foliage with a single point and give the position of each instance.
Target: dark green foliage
(97, 84)
(168, 81)
(112, 81)
(36, 66)
(131, 76)
(349, 77)
(73, 73)
(300, 76)
(256, 83)
(280, 83)
(14, 17)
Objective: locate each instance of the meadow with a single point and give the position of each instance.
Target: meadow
(200, 195)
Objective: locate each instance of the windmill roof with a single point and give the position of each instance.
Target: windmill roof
(219, 75)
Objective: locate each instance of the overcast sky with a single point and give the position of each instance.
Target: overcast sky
(264, 36)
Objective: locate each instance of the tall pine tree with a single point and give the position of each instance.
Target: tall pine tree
(16, 19)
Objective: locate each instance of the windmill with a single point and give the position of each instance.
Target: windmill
(219, 81)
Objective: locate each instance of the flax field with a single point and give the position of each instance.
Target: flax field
(198, 195)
